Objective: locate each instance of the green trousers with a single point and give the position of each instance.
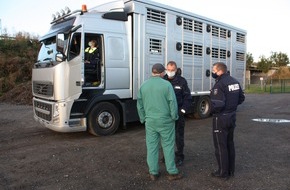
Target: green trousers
(166, 135)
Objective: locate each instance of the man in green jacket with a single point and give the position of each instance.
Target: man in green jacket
(157, 108)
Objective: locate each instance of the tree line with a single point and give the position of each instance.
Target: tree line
(276, 59)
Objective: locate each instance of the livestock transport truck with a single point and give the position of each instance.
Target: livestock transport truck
(132, 35)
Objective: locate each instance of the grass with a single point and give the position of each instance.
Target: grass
(254, 89)
(257, 89)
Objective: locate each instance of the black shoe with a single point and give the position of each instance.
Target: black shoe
(179, 162)
(231, 174)
(218, 175)
(172, 177)
(154, 177)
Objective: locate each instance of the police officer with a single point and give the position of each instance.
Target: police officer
(157, 108)
(184, 100)
(225, 96)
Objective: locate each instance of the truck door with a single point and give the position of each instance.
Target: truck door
(75, 64)
(93, 62)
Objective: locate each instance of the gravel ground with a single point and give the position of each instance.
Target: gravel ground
(33, 157)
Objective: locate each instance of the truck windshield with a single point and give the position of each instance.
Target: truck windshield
(48, 50)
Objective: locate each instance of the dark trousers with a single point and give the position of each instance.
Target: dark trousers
(223, 138)
(93, 72)
(179, 137)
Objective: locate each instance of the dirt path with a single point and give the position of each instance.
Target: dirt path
(33, 157)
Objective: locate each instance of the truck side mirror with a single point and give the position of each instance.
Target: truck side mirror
(59, 57)
(60, 42)
(60, 48)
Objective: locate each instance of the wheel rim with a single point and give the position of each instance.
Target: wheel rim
(105, 120)
(204, 106)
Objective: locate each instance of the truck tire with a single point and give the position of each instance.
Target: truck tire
(202, 107)
(104, 119)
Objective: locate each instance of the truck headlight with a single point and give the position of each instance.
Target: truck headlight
(56, 110)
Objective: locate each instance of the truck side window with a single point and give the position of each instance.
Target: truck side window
(75, 45)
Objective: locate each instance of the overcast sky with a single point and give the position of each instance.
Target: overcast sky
(266, 22)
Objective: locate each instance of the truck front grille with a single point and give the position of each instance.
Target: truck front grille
(43, 88)
(43, 110)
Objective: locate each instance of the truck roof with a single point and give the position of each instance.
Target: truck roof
(129, 8)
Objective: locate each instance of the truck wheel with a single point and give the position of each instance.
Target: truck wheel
(202, 107)
(103, 119)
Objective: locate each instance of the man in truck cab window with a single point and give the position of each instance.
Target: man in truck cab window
(92, 62)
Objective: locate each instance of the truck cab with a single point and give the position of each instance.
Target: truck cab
(64, 90)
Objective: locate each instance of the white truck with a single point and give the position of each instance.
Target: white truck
(132, 35)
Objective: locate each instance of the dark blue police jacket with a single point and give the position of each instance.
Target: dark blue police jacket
(226, 95)
(182, 91)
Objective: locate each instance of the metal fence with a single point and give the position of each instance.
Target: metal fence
(279, 86)
(270, 86)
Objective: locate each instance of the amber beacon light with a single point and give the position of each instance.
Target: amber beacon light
(84, 8)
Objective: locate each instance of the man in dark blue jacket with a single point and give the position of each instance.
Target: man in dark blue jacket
(184, 100)
(225, 96)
